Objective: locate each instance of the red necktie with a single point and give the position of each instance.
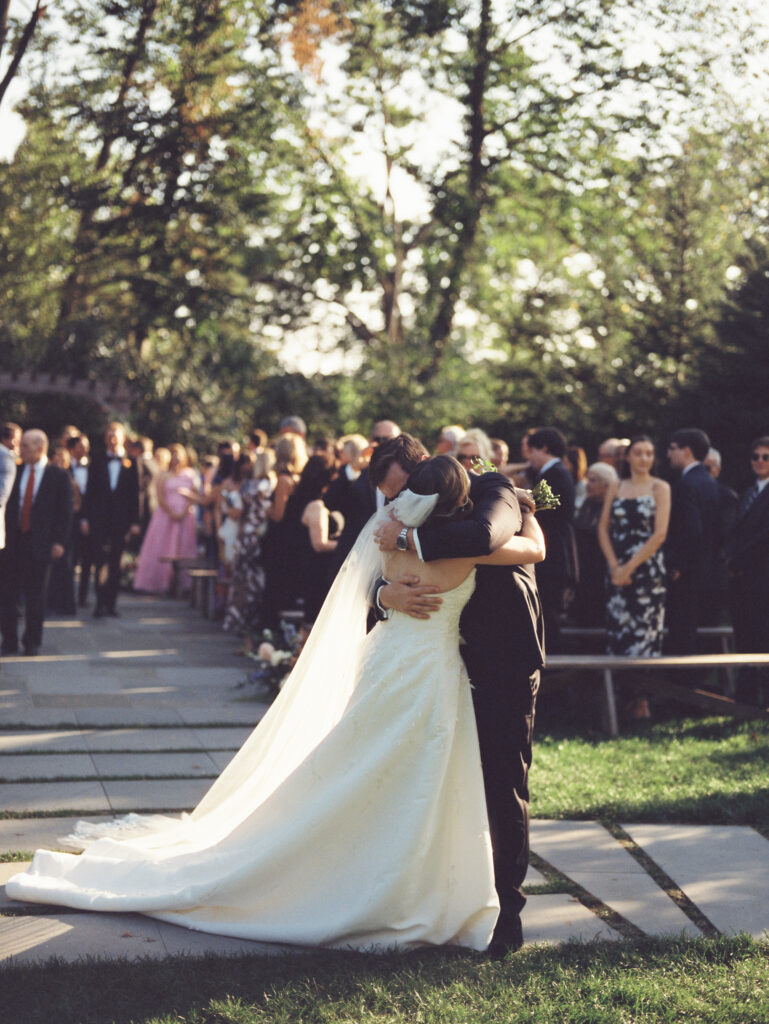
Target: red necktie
(26, 507)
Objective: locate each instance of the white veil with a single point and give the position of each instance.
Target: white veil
(311, 703)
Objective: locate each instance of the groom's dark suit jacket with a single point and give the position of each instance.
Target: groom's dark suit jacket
(503, 649)
(502, 624)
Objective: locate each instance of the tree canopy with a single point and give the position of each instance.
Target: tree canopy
(500, 213)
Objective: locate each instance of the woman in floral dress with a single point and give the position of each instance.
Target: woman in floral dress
(246, 593)
(631, 531)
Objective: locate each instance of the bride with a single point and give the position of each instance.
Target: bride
(354, 814)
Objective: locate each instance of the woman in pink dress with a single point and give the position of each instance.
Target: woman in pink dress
(172, 532)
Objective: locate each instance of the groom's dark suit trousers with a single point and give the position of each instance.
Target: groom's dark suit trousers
(504, 713)
(504, 649)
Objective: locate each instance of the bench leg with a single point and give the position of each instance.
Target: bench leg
(610, 705)
(731, 683)
(210, 597)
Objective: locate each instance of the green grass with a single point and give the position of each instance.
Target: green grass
(711, 771)
(724, 982)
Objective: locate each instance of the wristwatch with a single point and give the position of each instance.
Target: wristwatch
(402, 542)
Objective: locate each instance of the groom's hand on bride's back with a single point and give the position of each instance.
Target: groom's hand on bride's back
(406, 594)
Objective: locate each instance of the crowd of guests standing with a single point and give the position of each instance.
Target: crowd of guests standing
(646, 558)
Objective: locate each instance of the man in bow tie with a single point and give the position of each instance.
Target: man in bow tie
(110, 511)
(37, 523)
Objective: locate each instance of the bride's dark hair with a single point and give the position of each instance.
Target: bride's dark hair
(444, 476)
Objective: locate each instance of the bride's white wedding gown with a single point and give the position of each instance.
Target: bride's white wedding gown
(370, 833)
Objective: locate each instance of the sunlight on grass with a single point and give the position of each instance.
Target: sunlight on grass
(699, 771)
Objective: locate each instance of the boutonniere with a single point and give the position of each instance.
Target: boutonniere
(126, 463)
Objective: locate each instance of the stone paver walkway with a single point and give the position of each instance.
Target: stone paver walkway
(142, 713)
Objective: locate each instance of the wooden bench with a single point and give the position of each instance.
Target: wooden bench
(724, 634)
(178, 565)
(608, 664)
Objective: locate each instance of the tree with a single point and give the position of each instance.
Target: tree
(175, 136)
(17, 42)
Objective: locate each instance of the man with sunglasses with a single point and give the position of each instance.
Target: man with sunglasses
(748, 555)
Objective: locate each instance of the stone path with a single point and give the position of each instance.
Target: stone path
(141, 713)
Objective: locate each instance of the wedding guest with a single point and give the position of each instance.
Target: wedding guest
(631, 532)
(575, 461)
(363, 500)
(162, 458)
(290, 460)
(500, 453)
(229, 510)
(80, 451)
(38, 516)
(293, 425)
(473, 444)
(141, 451)
(61, 579)
(172, 532)
(690, 550)
(589, 608)
(559, 571)
(10, 440)
(448, 440)
(109, 512)
(257, 441)
(610, 451)
(353, 458)
(715, 609)
(307, 547)
(523, 473)
(748, 562)
(245, 599)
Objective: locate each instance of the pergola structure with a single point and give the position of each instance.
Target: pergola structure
(115, 399)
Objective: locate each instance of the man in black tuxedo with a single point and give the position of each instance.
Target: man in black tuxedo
(690, 548)
(503, 649)
(37, 520)
(110, 510)
(748, 563)
(559, 571)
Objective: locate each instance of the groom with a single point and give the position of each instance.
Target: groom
(503, 650)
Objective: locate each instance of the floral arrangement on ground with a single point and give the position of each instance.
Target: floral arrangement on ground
(274, 653)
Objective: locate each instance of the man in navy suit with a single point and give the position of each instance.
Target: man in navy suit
(37, 520)
(690, 548)
(109, 512)
(559, 570)
(748, 563)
